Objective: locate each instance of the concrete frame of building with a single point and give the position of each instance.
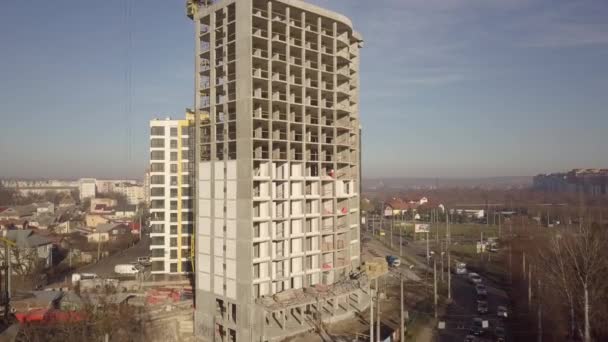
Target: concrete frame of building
(263, 140)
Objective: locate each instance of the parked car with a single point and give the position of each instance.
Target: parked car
(126, 269)
(475, 278)
(470, 338)
(481, 290)
(502, 311)
(461, 268)
(499, 332)
(477, 327)
(76, 277)
(482, 307)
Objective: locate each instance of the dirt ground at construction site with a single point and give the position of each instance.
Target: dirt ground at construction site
(418, 305)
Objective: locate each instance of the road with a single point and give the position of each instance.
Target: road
(463, 308)
(105, 267)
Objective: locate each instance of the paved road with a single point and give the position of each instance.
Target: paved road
(463, 308)
(105, 267)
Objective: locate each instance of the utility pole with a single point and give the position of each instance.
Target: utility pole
(392, 226)
(435, 283)
(377, 311)
(529, 286)
(442, 267)
(449, 264)
(401, 327)
(523, 265)
(540, 314)
(499, 226)
(371, 316)
(427, 245)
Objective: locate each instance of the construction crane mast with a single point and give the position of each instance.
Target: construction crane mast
(8, 270)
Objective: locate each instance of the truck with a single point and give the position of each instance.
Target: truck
(126, 269)
(393, 261)
(76, 277)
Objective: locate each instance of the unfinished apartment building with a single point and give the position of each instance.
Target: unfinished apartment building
(277, 168)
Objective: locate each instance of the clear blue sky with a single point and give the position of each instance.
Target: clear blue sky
(460, 88)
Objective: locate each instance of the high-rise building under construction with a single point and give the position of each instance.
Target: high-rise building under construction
(277, 160)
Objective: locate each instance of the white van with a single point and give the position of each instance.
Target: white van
(126, 269)
(76, 277)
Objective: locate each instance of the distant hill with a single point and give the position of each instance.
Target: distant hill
(375, 184)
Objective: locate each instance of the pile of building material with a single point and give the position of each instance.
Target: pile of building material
(375, 267)
(166, 295)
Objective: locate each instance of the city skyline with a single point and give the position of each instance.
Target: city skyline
(485, 88)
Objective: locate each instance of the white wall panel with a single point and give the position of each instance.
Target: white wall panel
(231, 209)
(219, 208)
(205, 171)
(231, 189)
(231, 169)
(231, 229)
(204, 189)
(204, 208)
(219, 189)
(230, 249)
(219, 170)
(218, 285)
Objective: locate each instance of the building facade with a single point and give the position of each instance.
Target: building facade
(592, 182)
(171, 218)
(87, 188)
(277, 167)
(134, 193)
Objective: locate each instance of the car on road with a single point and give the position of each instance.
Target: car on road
(461, 268)
(477, 327)
(481, 290)
(393, 261)
(482, 307)
(502, 311)
(470, 338)
(499, 332)
(126, 269)
(474, 278)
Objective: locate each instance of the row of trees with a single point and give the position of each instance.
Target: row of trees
(562, 282)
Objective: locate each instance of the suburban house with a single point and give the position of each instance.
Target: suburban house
(42, 221)
(93, 220)
(30, 250)
(45, 207)
(398, 206)
(67, 201)
(108, 232)
(102, 206)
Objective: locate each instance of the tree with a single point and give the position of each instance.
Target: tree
(121, 199)
(7, 196)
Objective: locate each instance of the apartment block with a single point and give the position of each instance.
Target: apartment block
(171, 217)
(277, 168)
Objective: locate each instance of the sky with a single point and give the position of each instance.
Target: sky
(449, 88)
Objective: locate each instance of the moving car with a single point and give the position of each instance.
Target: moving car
(481, 290)
(474, 278)
(393, 261)
(482, 307)
(499, 332)
(502, 311)
(477, 327)
(461, 268)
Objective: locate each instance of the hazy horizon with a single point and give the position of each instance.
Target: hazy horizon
(448, 88)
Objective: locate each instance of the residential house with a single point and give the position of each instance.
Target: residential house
(398, 207)
(93, 220)
(46, 207)
(30, 250)
(43, 221)
(67, 201)
(102, 205)
(108, 232)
